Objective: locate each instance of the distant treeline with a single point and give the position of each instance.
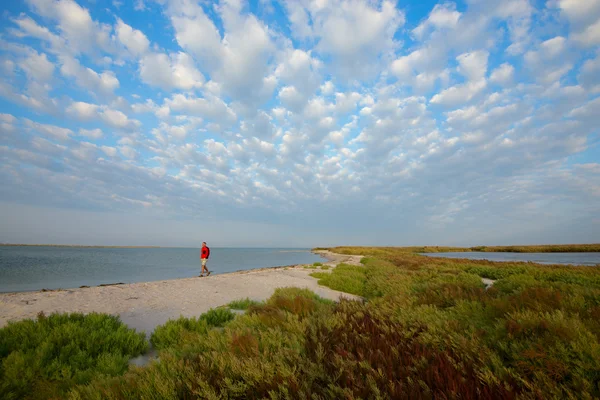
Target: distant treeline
(549, 248)
(80, 246)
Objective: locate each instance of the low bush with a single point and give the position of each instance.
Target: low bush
(242, 304)
(182, 330)
(345, 278)
(317, 264)
(43, 358)
(260, 354)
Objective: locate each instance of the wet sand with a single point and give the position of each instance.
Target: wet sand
(144, 306)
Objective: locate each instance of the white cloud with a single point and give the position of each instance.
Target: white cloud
(55, 132)
(117, 119)
(91, 133)
(503, 75)
(327, 88)
(355, 33)
(317, 108)
(134, 40)
(346, 102)
(292, 98)
(239, 61)
(80, 32)
(589, 74)
(590, 36)
(549, 62)
(473, 65)
(584, 17)
(442, 16)
(105, 82)
(425, 61)
(128, 152)
(210, 108)
(8, 118)
(589, 110)
(139, 5)
(260, 146)
(37, 67)
(113, 118)
(300, 69)
(82, 110)
(191, 24)
(178, 132)
(244, 62)
(260, 126)
(176, 71)
(85, 151)
(580, 11)
(459, 94)
(28, 27)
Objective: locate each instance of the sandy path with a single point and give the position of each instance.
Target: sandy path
(143, 306)
(335, 258)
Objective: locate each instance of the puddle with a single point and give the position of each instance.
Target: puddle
(487, 282)
(144, 359)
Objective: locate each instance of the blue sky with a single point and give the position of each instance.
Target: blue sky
(300, 123)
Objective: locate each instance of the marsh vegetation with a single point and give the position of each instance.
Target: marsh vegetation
(427, 328)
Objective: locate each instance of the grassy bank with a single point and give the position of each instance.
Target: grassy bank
(428, 328)
(550, 248)
(536, 331)
(45, 358)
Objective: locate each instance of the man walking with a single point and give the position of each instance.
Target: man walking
(204, 254)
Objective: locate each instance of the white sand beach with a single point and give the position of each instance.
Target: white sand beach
(144, 306)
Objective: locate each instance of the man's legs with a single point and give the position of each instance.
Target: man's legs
(204, 267)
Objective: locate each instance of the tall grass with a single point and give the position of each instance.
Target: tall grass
(43, 358)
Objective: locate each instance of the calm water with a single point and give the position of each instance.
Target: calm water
(33, 268)
(590, 259)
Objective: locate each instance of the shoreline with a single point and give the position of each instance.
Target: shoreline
(145, 305)
(327, 255)
(83, 246)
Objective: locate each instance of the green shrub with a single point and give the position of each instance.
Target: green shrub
(182, 330)
(258, 355)
(217, 317)
(43, 358)
(242, 304)
(345, 278)
(317, 264)
(325, 267)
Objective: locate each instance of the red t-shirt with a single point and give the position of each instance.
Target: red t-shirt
(205, 252)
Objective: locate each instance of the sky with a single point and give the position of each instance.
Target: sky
(300, 123)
